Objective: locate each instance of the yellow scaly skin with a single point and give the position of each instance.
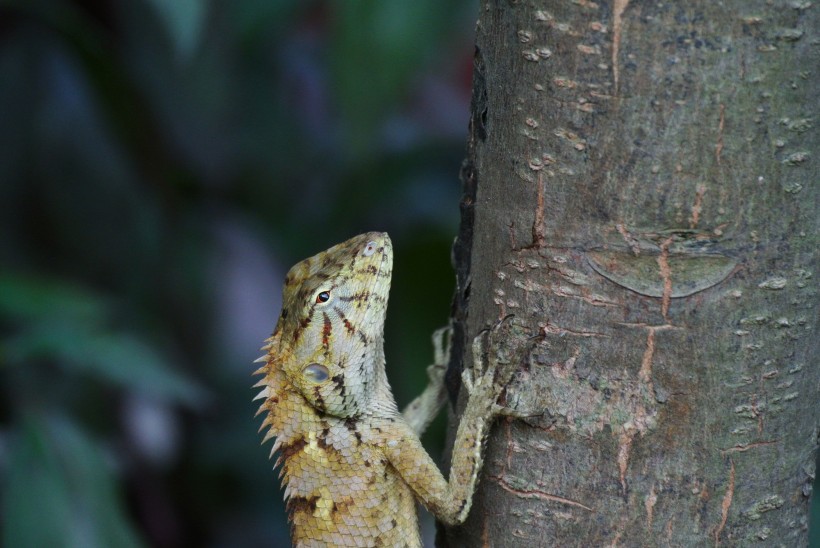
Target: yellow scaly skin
(352, 464)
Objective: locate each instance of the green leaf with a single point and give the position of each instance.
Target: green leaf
(60, 493)
(184, 20)
(31, 297)
(118, 358)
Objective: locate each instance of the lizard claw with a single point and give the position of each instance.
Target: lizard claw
(442, 341)
(498, 353)
(467, 380)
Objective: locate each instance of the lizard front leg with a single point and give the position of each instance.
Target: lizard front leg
(450, 500)
(420, 412)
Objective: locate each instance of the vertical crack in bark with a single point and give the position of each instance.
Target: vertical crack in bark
(669, 530)
(509, 440)
(618, 8)
(700, 190)
(645, 374)
(719, 145)
(628, 238)
(618, 534)
(539, 239)
(756, 410)
(624, 447)
(666, 276)
(649, 504)
(727, 502)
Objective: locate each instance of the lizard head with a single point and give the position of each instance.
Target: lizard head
(330, 331)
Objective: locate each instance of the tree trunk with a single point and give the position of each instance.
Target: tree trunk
(640, 190)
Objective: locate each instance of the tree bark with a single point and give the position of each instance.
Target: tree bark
(640, 191)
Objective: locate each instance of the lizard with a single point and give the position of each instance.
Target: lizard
(351, 463)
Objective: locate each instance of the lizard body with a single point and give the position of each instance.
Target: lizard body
(353, 465)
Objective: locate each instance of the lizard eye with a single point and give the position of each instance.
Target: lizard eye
(316, 373)
(323, 297)
(369, 249)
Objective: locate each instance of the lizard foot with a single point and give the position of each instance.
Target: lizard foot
(497, 355)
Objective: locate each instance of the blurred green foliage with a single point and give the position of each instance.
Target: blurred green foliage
(161, 165)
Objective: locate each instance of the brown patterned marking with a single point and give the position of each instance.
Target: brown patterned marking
(339, 381)
(292, 448)
(303, 323)
(305, 505)
(326, 260)
(320, 400)
(359, 297)
(331, 451)
(371, 269)
(341, 507)
(327, 328)
(350, 424)
(363, 338)
(321, 439)
(349, 326)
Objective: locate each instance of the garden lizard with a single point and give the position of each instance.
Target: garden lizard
(353, 465)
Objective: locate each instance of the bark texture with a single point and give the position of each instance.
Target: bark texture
(641, 190)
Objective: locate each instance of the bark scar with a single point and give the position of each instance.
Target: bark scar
(557, 330)
(743, 447)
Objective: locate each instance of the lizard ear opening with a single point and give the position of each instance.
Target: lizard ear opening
(369, 249)
(316, 373)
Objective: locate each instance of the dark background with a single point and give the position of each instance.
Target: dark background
(162, 164)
